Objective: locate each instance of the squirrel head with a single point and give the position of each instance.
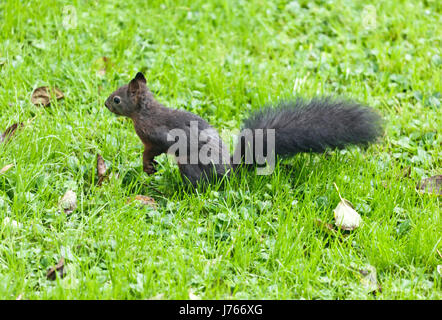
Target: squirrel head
(127, 100)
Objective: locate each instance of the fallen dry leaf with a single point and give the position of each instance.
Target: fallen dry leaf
(6, 168)
(42, 95)
(145, 200)
(102, 65)
(193, 296)
(10, 131)
(432, 185)
(69, 202)
(101, 169)
(346, 216)
(369, 279)
(406, 172)
(59, 267)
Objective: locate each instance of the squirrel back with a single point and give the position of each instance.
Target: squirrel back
(296, 126)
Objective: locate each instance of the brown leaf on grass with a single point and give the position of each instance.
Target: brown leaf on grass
(432, 185)
(102, 65)
(42, 95)
(10, 131)
(69, 202)
(101, 169)
(58, 268)
(6, 168)
(145, 200)
(406, 172)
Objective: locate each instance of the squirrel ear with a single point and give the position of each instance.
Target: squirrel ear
(134, 86)
(140, 77)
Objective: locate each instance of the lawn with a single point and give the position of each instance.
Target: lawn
(254, 237)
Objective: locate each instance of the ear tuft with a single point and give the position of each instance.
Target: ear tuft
(140, 77)
(134, 86)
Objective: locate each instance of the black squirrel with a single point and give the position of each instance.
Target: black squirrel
(299, 126)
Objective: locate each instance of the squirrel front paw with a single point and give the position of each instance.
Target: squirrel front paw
(149, 168)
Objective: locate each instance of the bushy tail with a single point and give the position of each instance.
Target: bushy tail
(315, 125)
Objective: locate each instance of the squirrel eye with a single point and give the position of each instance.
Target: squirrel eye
(117, 100)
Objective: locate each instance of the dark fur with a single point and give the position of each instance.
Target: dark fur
(300, 126)
(318, 124)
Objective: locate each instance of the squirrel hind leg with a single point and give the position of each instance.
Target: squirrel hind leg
(191, 173)
(200, 174)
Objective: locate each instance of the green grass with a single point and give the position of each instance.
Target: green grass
(256, 236)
